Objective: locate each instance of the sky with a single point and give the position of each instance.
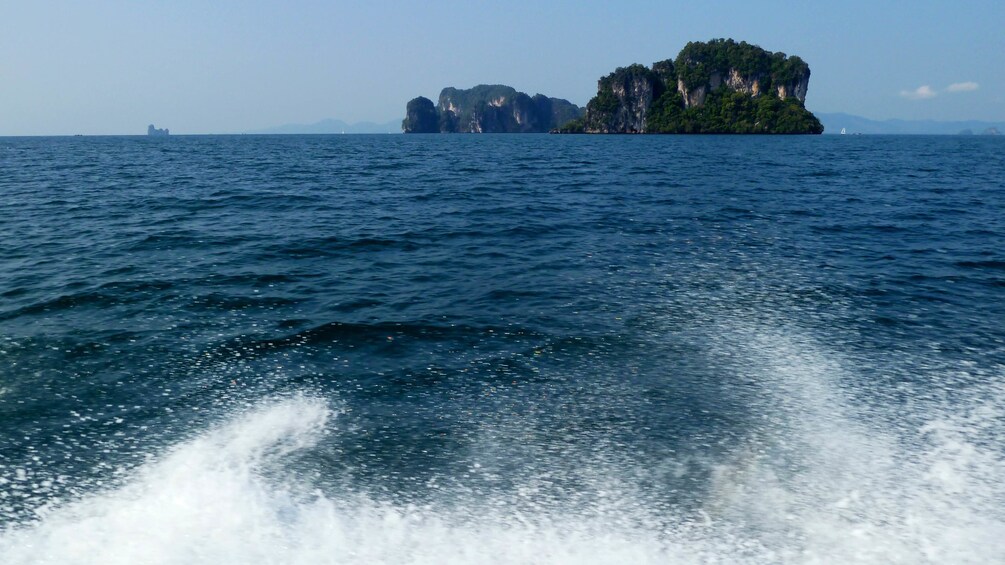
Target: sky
(229, 66)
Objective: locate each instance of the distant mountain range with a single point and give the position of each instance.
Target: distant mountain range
(334, 126)
(833, 123)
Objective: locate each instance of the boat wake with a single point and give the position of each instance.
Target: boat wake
(817, 481)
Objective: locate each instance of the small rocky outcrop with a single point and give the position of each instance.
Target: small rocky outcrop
(420, 116)
(488, 109)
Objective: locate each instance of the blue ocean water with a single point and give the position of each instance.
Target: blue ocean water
(502, 349)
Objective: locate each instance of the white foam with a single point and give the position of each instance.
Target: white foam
(207, 502)
(825, 484)
(817, 485)
(198, 503)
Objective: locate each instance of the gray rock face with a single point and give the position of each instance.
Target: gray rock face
(797, 88)
(623, 100)
(750, 85)
(695, 97)
(635, 97)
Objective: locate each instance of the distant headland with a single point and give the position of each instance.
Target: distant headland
(151, 130)
(719, 86)
(487, 109)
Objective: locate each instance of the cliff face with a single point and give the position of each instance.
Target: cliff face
(704, 67)
(623, 100)
(796, 89)
(489, 109)
(694, 97)
(716, 87)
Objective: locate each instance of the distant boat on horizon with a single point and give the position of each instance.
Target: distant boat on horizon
(844, 131)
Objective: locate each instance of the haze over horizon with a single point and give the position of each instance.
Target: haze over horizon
(112, 67)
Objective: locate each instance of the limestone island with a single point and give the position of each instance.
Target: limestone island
(488, 108)
(719, 86)
(151, 130)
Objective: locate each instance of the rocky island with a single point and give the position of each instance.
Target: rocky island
(718, 86)
(487, 109)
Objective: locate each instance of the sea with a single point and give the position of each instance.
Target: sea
(533, 349)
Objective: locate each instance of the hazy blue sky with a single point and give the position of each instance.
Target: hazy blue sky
(204, 66)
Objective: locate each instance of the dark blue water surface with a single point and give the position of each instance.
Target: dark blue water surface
(507, 349)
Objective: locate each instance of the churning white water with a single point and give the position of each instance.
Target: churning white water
(207, 503)
(820, 483)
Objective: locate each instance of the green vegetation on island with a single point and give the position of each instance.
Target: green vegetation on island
(726, 111)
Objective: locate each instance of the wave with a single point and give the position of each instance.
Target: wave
(990, 264)
(377, 333)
